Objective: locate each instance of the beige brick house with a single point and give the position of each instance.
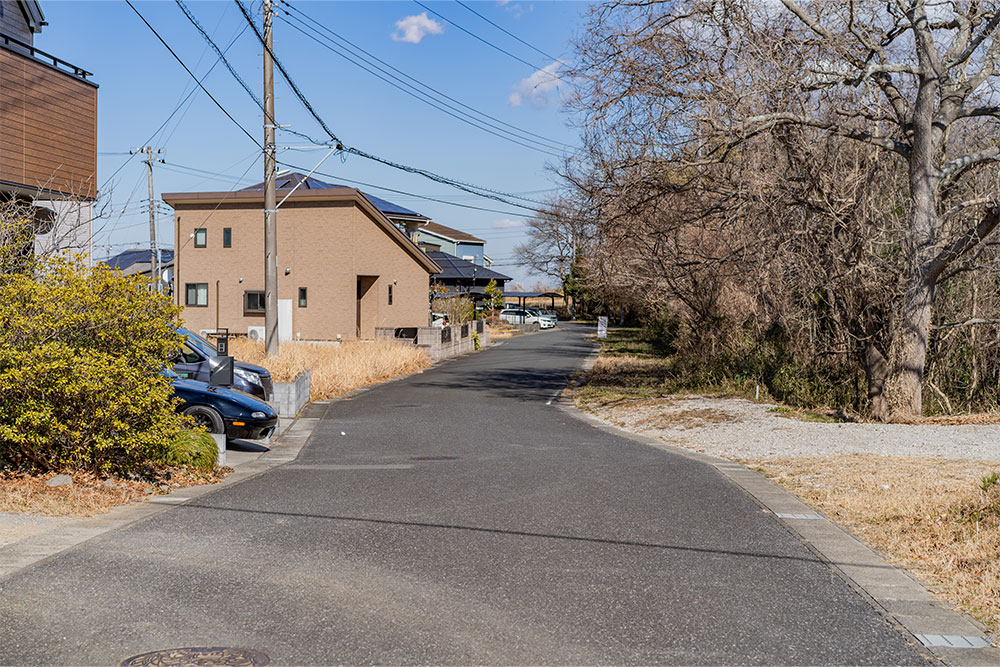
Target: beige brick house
(344, 267)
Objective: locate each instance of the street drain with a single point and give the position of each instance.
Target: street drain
(433, 458)
(201, 656)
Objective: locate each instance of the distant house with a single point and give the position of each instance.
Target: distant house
(432, 236)
(48, 133)
(344, 266)
(460, 277)
(132, 262)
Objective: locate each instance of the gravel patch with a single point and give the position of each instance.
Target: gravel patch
(739, 428)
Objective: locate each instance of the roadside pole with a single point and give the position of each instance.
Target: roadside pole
(270, 196)
(154, 251)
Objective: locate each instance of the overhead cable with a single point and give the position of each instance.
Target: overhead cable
(352, 45)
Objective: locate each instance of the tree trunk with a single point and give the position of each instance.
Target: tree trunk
(910, 350)
(876, 373)
(908, 354)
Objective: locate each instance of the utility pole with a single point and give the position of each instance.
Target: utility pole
(154, 253)
(270, 196)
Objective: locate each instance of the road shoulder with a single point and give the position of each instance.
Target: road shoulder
(906, 604)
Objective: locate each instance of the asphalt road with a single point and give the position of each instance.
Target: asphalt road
(456, 517)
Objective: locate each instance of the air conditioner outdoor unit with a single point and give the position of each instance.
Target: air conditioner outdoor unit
(206, 333)
(255, 333)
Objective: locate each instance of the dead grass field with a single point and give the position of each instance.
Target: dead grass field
(335, 369)
(88, 495)
(935, 517)
(499, 331)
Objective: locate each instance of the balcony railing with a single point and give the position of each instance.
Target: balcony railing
(47, 58)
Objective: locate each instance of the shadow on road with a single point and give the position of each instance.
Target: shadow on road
(525, 533)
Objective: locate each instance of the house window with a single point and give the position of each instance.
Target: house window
(390, 295)
(302, 297)
(227, 237)
(200, 237)
(253, 301)
(196, 294)
(469, 258)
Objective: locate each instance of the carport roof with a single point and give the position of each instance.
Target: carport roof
(533, 295)
(453, 268)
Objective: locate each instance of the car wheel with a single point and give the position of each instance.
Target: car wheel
(206, 417)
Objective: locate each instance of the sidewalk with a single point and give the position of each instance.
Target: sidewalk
(26, 539)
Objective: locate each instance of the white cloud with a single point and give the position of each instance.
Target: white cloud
(505, 223)
(540, 89)
(515, 8)
(414, 28)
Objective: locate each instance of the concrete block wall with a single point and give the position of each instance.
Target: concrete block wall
(432, 339)
(290, 397)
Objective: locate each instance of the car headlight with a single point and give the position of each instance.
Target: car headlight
(247, 376)
(258, 415)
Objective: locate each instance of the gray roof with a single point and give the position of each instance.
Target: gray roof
(124, 260)
(289, 179)
(453, 268)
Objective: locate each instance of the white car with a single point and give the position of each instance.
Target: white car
(522, 316)
(537, 312)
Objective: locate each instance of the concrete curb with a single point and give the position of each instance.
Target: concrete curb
(906, 604)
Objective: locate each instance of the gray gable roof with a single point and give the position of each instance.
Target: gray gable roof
(287, 180)
(123, 260)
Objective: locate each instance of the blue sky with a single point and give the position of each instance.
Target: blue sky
(141, 83)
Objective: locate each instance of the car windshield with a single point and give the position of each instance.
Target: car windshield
(197, 341)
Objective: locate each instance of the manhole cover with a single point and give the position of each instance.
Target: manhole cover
(201, 656)
(433, 458)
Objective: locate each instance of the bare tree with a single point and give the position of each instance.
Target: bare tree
(672, 90)
(560, 238)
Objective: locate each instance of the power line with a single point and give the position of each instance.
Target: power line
(427, 99)
(288, 78)
(505, 31)
(188, 70)
(489, 43)
(174, 112)
(222, 57)
(356, 47)
(410, 194)
(474, 189)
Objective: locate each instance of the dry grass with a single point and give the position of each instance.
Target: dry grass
(688, 418)
(87, 496)
(500, 331)
(931, 516)
(335, 369)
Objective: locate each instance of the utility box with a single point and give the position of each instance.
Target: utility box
(220, 371)
(222, 341)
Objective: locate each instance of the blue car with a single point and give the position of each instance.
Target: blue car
(192, 363)
(223, 410)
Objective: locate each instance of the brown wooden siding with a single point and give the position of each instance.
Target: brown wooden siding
(12, 22)
(48, 126)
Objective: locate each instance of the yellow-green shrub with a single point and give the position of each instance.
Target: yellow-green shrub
(81, 352)
(195, 449)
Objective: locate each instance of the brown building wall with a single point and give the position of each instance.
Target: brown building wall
(48, 127)
(326, 245)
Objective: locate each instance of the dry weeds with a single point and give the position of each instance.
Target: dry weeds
(89, 495)
(499, 331)
(928, 515)
(335, 369)
(688, 418)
